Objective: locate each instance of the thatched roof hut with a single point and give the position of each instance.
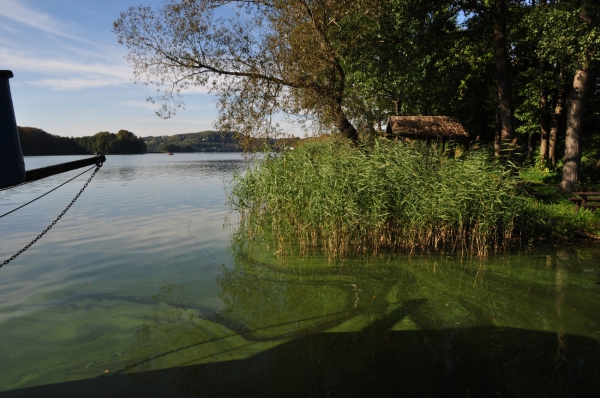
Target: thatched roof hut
(425, 128)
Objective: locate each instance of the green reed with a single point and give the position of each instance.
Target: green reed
(332, 195)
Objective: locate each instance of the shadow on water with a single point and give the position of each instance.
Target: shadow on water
(478, 362)
(352, 331)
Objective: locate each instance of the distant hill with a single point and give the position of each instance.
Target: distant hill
(122, 143)
(37, 142)
(204, 141)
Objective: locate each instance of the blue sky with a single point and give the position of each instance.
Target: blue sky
(70, 75)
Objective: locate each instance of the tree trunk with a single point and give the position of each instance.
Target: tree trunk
(502, 72)
(397, 107)
(497, 135)
(557, 114)
(575, 108)
(530, 146)
(545, 120)
(346, 128)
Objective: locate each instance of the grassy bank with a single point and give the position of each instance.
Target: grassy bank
(331, 195)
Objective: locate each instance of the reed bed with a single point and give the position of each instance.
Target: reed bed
(334, 196)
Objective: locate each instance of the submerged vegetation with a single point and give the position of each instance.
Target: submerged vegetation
(333, 195)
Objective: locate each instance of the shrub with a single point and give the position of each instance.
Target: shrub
(332, 195)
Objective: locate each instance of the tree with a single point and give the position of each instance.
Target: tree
(103, 141)
(409, 66)
(568, 33)
(557, 114)
(505, 107)
(576, 101)
(564, 35)
(533, 78)
(36, 142)
(271, 57)
(544, 110)
(497, 11)
(544, 106)
(124, 142)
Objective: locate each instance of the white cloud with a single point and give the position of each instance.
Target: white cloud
(139, 104)
(67, 73)
(59, 52)
(61, 67)
(76, 83)
(16, 11)
(53, 62)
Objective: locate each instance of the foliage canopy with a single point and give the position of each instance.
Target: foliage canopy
(346, 66)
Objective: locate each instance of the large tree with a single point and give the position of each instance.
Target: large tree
(409, 65)
(568, 34)
(587, 51)
(260, 57)
(496, 11)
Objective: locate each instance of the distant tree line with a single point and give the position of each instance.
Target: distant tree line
(124, 143)
(37, 142)
(205, 141)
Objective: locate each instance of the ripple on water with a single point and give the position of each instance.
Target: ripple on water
(140, 279)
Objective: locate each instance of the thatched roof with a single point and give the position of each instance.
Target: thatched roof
(424, 127)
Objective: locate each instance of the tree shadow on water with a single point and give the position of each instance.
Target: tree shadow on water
(360, 332)
(482, 361)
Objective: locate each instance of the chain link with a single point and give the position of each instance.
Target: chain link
(56, 220)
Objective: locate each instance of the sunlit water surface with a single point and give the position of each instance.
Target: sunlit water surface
(142, 290)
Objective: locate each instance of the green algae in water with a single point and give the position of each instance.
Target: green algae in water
(165, 318)
(518, 325)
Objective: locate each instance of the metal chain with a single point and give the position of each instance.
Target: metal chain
(41, 196)
(14, 186)
(55, 221)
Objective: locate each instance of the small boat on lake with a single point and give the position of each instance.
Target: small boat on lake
(170, 153)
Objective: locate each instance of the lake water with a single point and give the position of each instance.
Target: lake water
(144, 289)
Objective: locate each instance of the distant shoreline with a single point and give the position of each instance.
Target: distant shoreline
(131, 154)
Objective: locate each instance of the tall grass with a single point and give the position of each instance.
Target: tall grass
(331, 195)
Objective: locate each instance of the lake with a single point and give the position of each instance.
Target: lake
(144, 288)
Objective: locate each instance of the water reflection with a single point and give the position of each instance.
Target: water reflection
(214, 169)
(270, 324)
(350, 329)
(513, 326)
